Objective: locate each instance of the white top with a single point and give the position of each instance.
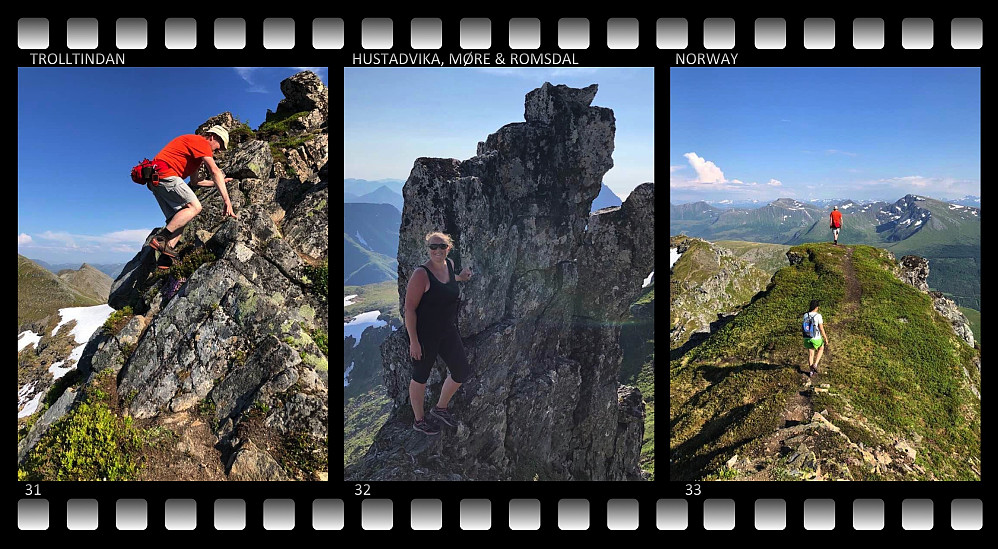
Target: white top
(817, 317)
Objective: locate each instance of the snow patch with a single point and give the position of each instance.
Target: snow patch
(27, 338)
(346, 375)
(357, 326)
(348, 299)
(30, 407)
(917, 223)
(845, 206)
(361, 238)
(673, 256)
(88, 319)
(648, 280)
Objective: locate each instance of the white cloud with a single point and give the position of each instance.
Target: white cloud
(931, 186)
(707, 171)
(246, 73)
(774, 183)
(23, 239)
(127, 240)
(675, 168)
(737, 181)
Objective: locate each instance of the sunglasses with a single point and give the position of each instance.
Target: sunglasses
(438, 246)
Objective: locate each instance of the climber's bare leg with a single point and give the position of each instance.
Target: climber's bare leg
(416, 393)
(450, 387)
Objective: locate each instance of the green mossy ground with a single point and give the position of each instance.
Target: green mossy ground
(891, 360)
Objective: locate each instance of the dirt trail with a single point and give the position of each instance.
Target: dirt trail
(799, 407)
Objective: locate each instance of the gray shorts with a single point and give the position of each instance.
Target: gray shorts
(172, 194)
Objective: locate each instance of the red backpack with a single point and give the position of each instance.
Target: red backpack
(148, 171)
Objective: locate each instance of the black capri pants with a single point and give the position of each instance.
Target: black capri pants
(450, 348)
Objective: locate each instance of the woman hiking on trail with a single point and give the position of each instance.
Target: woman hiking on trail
(814, 336)
(431, 298)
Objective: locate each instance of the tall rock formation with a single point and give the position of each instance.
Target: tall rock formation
(233, 336)
(540, 318)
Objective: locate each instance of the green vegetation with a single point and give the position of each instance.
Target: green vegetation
(369, 266)
(278, 123)
(206, 408)
(318, 279)
(321, 339)
(767, 257)
(41, 293)
(89, 443)
(381, 296)
(117, 320)
(891, 360)
(646, 383)
(184, 267)
(363, 416)
(242, 130)
(302, 452)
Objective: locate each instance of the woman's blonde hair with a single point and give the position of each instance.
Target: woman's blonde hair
(446, 238)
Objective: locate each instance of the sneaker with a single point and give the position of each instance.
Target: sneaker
(425, 427)
(159, 243)
(443, 415)
(813, 371)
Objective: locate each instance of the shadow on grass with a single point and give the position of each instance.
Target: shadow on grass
(687, 463)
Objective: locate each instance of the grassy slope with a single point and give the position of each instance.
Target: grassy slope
(41, 293)
(362, 266)
(383, 296)
(698, 266)
(903, 378)
(767, 257)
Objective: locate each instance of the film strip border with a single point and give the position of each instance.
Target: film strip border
(37, 34)
(817, 514)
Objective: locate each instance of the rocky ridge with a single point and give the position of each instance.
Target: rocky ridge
(227, 339)
(540, 318)
(708, 285)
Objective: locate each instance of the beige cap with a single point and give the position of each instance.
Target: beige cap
(220, 132)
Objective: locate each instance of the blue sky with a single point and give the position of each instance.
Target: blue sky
(394, 115)
(859, 133)
(80, 130)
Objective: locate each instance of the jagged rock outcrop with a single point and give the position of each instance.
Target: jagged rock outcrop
(914, 270)
(948, 308)
(230, 332)
(540, 317)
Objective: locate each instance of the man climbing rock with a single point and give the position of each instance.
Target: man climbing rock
(183, 156)
(835, 223)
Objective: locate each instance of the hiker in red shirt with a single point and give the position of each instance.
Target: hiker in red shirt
(835, 223)
(183, 156)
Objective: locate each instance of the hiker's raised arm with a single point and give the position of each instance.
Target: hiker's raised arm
(219, 178)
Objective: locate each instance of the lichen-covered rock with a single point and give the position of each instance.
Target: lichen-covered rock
(236, 336)
(915, 271)
(540, 317)
(952, 313)
(304, 92)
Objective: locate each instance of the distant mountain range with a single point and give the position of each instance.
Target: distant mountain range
(605, 199)
(359, 187)
(41, 293)
(110, 269)
(370, 243)
(389, 191)
(948, 234)
(381, 195)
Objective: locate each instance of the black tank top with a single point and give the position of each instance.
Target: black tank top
(437, 310)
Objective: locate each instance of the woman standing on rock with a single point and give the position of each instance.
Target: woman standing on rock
(431, 320)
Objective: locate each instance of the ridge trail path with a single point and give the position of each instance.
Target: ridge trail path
(799, 408)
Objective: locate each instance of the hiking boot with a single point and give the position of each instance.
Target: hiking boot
(443, 415)
(159, 243)
(814, 371)
(425, 427)
(164, 262)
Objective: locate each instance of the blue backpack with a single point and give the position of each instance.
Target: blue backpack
(810, 327)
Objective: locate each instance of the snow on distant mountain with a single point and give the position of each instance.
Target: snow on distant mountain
(969, 200)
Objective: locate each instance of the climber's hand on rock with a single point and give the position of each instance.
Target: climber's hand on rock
(415, 350)
(229, 212)
(466, 274)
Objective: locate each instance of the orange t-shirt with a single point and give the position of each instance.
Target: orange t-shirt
(836, 218)
(184, 154)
